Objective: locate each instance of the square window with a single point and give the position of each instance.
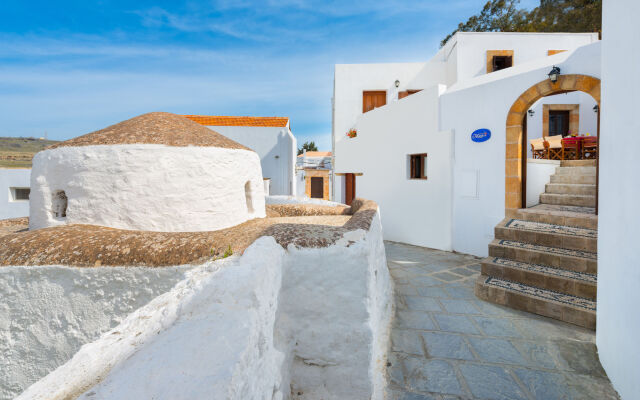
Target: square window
(418, 166)
(20, 194)
(502, 62)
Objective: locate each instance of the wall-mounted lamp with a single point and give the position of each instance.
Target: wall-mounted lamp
(554, 74)
(397, 83)
(531, 112)
(596, 108)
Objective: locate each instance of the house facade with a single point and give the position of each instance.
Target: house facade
(413, 150)
(15, 189)
(270, 137)
(314, 173)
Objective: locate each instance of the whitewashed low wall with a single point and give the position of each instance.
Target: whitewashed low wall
(538, 175)
(310, 321)
(48, 313)
(335, 309)
(299, 200)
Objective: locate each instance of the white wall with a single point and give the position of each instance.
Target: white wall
(350, 80)
(10, 178)
(49, 312)
(618, 319)
(252, 327)
(588, 122)
(277, 148)
(148, 187)
(479, 171)
(414, 211)
(538, 175)
(473, 46)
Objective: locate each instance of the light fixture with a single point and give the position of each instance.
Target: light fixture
(531, 112)
(554, 74)
(596, 108)
(397, 83)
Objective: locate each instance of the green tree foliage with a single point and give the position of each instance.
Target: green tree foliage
(308, 146)
(549, 16)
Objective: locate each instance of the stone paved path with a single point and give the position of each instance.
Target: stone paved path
(447, 344)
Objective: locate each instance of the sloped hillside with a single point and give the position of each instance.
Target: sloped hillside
(17, 152)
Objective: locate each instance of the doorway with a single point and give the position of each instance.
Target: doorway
(350, 188)
(317, 187)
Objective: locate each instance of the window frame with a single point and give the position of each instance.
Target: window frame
(13, 192)
(412, 168)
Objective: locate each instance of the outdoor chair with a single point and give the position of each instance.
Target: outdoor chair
(538, 149)
(554, 149)
(590, 147)
(570, 148)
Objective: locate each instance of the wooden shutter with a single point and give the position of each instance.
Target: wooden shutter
(373, 99)
(403, 94)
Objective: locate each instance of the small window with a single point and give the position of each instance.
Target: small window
(248, 197)
(19, 194)
(502, 62)
(418, 166)
(59, 204)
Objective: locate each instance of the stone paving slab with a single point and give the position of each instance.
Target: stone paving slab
(447, 344)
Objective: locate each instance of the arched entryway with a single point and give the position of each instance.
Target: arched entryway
(516, 148)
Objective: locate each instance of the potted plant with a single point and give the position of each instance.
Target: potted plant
(352, 133)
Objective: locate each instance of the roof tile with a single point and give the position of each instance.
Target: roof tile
(217, 120)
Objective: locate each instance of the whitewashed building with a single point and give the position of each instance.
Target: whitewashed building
(155, 172)
(15, 188)
(270, 137)
(428, 111)
(314, 174)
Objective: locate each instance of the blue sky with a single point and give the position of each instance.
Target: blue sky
(71, 67)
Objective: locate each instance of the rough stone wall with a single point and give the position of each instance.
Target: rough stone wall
(48, 313)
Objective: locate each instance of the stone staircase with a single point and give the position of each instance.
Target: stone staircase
(544, 259)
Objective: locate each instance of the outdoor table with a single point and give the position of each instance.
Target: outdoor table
(578, 140)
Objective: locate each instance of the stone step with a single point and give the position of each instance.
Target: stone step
(560, 280)
(575, 179)
(564, 307)
(566, 237)
(578, 163)
(576, 171)
(581, 217)
(557, 257)
(571, 188)
(568, 199)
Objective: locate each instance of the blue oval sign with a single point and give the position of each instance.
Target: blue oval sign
(481, 135)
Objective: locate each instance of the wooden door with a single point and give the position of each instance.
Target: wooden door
(317, 187)
(350, 188)
(373, 99)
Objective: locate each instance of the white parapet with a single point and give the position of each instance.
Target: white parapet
(315, 321)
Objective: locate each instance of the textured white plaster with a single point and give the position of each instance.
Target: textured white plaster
(335, 310)
(305, 323)
(47, 313)
(147, 187)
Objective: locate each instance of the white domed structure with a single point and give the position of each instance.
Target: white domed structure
(155, 172)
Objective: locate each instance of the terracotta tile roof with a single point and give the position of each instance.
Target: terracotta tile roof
(154, 128)
(217, 120)
(317, 154)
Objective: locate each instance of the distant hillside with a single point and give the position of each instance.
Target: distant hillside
(16, 152)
